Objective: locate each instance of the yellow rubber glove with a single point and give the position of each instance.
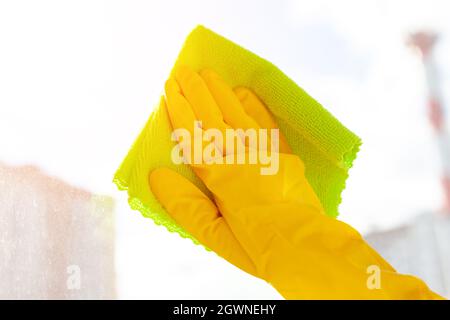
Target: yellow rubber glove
(271, 226)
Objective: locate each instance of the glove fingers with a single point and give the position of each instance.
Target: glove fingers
(256, 109)
(198, 215)
(234, 113)
(180, 112)
(229, 104)
(182, 117)
(197, 94)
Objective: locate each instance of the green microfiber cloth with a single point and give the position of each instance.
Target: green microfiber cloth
(326, 147)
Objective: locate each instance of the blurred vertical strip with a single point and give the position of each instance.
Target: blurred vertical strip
(56, 240)
(424, 42)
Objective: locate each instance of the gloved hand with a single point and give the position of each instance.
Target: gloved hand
(271, 226)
